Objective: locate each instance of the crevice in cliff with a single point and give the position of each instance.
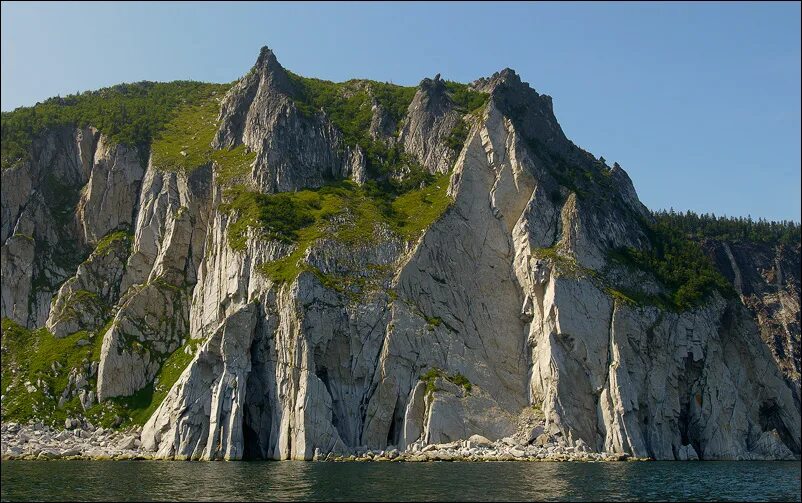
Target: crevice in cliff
(643, 421)
(737, 281)
(322, 373)
(397, 422)
(460, 270)
(770, 417)
(597, 393)
(690, 402)
(257, 421)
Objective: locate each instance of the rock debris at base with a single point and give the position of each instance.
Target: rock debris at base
(39, 442)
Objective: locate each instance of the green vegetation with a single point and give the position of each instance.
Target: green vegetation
(466, 99)
(565, 264)
(184, 144)
(620, 296)
(276, 216)
(432, 374)
(349, 106)
(81, 302)
(433, 322)
(106, 244)
(537, 411)
(24, 236)
(232, 164)
(458, 135)
(129, 114)
(353, 284)
(414, 211)
(583, 181)
(343, 211)
(38, 359)
(138, 407)
(678, 264)
(697, 227)
(460, 380)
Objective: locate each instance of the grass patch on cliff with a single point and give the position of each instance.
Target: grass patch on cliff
(184, 144)
(354, 284)
(137, 408)
(564, 264)
(129, 114)
(459, 134)
(80, 303)
(274, 216)
(110, 241)
(622, 297)
(434, 321)
(430, 378)
(38, 359)
(343, 211)
(465, 99)
(349, 106)
(417, 209)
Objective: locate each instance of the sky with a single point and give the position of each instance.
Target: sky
(698, 102)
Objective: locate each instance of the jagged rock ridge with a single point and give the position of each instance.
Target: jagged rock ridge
(349, 331)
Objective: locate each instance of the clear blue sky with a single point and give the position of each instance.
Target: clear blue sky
(700, 103)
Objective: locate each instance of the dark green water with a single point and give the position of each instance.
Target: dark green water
(154, 480)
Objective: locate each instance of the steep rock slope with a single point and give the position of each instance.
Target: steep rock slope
(767, 279)
(386, 266)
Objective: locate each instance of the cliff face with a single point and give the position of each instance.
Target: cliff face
(766, 277)
(482, 292)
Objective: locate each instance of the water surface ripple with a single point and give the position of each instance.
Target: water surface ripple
(304, 481)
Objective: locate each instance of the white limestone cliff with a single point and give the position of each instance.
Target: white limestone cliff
(502, 290)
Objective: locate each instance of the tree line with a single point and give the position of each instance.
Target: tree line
(699, 226)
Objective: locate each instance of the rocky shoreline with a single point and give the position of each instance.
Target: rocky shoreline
(79, 440)
(478, 448)
(82, 440)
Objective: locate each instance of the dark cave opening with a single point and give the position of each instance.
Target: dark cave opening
(770, 417)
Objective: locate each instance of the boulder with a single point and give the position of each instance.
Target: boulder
(687, 453)
(534, 433)
(479, 441)
(129, 443)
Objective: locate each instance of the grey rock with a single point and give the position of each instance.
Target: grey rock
(687, 453)
(431, 119)
(310, 369)
(128, 443)
(479, 440)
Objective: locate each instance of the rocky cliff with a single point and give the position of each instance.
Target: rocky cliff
(298, 266)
